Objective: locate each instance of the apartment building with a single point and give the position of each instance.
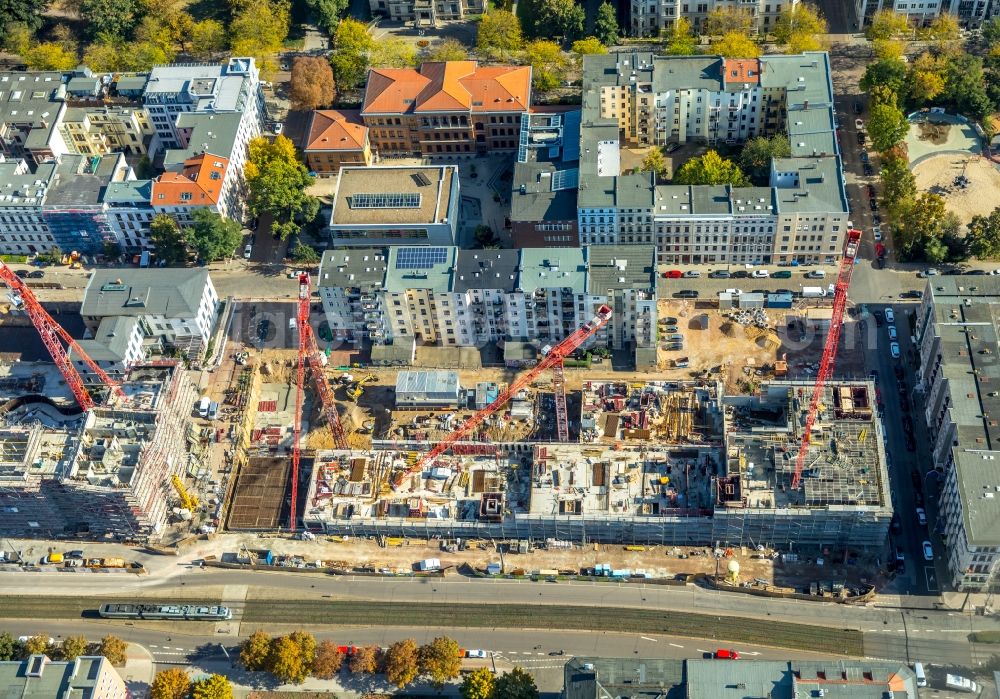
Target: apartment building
(101, 130)
(336, 138)
(636, 100)
(449, 109)
(173, 307)
(392, 205)
(31, 105)
(467, 298)
(231, 88)
(651, 17)
(426, 13)
(88, 676)
(958, 341)
(969, 13)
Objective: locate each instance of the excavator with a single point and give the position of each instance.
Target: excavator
(356, 391)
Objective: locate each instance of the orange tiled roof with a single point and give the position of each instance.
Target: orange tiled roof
(741, 70)
(198, 184)
(448, 87)
(332, 129)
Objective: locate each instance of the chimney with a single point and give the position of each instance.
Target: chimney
(805, 104)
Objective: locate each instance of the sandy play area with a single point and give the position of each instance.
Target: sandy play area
(937, 174)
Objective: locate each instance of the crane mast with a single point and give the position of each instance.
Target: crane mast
(830, 347)
(51, 333)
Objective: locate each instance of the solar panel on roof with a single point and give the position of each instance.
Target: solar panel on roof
(385, 200)
(420, 258)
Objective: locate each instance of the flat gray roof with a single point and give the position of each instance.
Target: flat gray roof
(353, 267)
(428, 187)
(548, 268)
(486, 269)
(25, 189)
(621, 267)
(170, 292)
(411, 267)
(210, 133)
(533, 198)
(819, 187)
(81, 179)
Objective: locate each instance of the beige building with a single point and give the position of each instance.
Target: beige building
(100, 130)
(650, 17)
(427, 12)
(336, 138)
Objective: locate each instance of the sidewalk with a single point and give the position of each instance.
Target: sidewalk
(138, 671)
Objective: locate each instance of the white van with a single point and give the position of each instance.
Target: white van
(203, 406)
(918, 670)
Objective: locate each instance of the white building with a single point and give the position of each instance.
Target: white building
(651, 17)
(969, 13)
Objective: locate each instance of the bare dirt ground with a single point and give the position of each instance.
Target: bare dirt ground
(979, 197)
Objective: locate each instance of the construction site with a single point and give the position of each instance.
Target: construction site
(658, 412)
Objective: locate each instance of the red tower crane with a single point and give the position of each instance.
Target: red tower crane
(830, 348)
(51, 333)
(552, 359)
(309, 352)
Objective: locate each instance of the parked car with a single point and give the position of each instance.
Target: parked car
(877, 232)
(928, 551)
(719, 274)
(672, 148)
(782, 274)
(760, 274)
(862, 138)
(864, 156)
(876, 220)
(921, 517)
(727, 654)
(929, 272)
(858, 124)
(894, 350)
(686, 294)
(36, 274)
(740, 274)
(816, 274)
(692, 274)
(868, 170)
(977, 272)
(910, 446)
(673, 274)
(873, 203)
(871, 191)
(858, 108)
(890, 317)
(907, 422)
(247, 251)
(22, 273)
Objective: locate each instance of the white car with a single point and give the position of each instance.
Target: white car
(928, 551)
(894, 350)
(890, 317)
(760, 274)
(892, 332)
(247, 251)
(859, 125)
(921, 517)
(734, 292)
(878, 233)
(475, 654)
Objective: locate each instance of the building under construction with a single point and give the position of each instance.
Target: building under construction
(700, 469)
(104, 473)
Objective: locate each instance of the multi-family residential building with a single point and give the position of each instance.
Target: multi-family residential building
(172, 90)
(197, 185)
(88, 676)
(969, 13)
(958, 341)
(635, 100)
(173, 308)
(651, 17)
(31, 105)
(426, 12)
(392, 205)
(450, 109)
(336, 138)
(100, 130)
(467, 298)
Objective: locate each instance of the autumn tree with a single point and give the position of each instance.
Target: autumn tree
(736, 45)
(887, 24)
(983, 236)
(920, 230)
(114, 649)
(448, 49)
(681, 40)
(276, 184)
(255, 650)
(943, 32)
(207, 39)
(515, 684)
(400, 664)
(441, 659)
(212, 687)
(655, 162)
(548, 64)
(36, 645)
(757, 154)
(478, 684)
(311, 83)
(352, 45)
(888, 49)
(926, 78)
(589, 46)
(887, 125)
(49, 55)
(26, 14)
(890, 73)
(499, 35)
(329, 660)
(899, 186)
(711, 168)
(800, 42)
(798, 27)
(286, 662)
(364, 660)
(9, 647)
(606, 24)
(259, 28)
(172, 683)
(724, 20)
(393, 52)
(73, 647)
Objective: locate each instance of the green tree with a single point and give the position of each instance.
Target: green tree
(36, 644)
(9, 647)
(364, 660)
(211, 236)
(655, 162)
(286, 662)
(899, 187)
(114, 648)
(887, 125)
(111, 18)
(983, 236)
(255, 650)
(736, 45)
(681, 40)
(478, 684)
(27, 14)
(548, 64)
(560, 18)
(448, 50)
(328, 13)
(49, 55)
(711, 168)
(606, 24)
(73, 647)
(499, 34)
(757, 154)
(888, 49)
(169, 240)
(725, 20)
(589, 46)
(943, 31)
(441, 659)
(311, 85)
(207, 39)
(990, 32)
(259, 29)
(212, 687)
(328, 660)
(919, 230)
(352, 45)
(965, 86)
(172, 683)
(888, 73)
(304, 254)
(798, 20)
(393, 52)
(400, 663)
(887, 24)
(276, 183)
(516, 684)
(926, 78)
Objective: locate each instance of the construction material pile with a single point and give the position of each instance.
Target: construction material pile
(756, 317)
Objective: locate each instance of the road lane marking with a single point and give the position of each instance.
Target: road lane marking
(646, 638)
(676, 645)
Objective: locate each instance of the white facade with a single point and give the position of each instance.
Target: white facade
(651, 17)
(969, 13)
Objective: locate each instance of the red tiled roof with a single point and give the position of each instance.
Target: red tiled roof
(741, 70)
(198, 184)
(332, 129)
(448, 87)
